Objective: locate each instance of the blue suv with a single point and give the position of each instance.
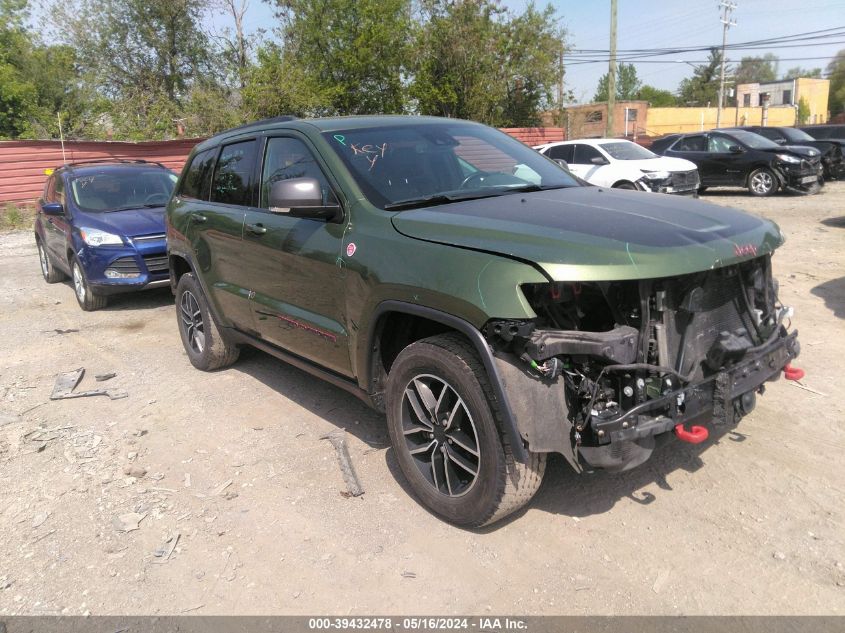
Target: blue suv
(102, 224)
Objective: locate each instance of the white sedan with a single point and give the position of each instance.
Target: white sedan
(612, 162)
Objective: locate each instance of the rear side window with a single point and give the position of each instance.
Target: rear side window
(561, 152)
(197, 182)
(691, 144)
(234, 174)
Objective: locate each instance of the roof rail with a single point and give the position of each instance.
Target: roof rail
(275, 119)
(115, 160)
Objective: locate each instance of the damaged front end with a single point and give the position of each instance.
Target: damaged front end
(607, 366)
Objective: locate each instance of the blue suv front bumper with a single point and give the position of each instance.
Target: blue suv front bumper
(117, 269)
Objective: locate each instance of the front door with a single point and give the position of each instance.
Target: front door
(56, 227)
(294, 264)
(722, 165)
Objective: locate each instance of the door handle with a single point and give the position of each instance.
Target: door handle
(198, 218)
(256, 229)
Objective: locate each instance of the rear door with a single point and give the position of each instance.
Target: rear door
(294, 263)
(226, 183)
(693, 147)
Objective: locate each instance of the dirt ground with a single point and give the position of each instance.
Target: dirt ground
(244, 497)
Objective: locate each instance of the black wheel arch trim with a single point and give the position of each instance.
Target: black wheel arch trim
(479, 343)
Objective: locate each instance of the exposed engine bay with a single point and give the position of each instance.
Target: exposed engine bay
(638, 358)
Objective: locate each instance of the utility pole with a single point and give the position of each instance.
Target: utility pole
(725, 18)
(611, 72)
(560, 89)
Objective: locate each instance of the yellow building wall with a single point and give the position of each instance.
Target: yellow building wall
(672, 120)
(815, 92)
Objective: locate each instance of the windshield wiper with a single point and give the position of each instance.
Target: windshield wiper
(135, 207)
(439, 198)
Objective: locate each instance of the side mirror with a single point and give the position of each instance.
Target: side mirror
(302, 198)
(52, 208)
(562, 163)
(598, 160)
(735, 149)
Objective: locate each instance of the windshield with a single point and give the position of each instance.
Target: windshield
(625, 150)
(796, 136)
(439, 163)
(754, 141)
(122, 188)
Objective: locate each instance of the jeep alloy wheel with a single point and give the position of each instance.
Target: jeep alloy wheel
(439, 433)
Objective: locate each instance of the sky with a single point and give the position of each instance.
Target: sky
(667, 23)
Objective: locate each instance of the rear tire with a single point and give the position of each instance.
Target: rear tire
(85, 297)
(762, 182)
(205, 346)
(50, 273)
(441, 407)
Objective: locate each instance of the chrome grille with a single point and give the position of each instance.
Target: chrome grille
(149, 238)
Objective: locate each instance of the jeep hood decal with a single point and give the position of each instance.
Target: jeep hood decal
(590, 233)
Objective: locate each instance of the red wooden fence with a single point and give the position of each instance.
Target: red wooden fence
(22, 163)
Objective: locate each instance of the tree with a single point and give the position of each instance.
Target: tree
(656, 98)
(353, 52)
(627, 84)
(756, 69)
(795, 73)
(703, 87)
(475, 60)
(836, 74)
(276, 84)
(145, 57)
(803, 113)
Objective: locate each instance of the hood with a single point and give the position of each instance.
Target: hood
(129, 223)
(799, 150)
(661, 163)
(592, 233)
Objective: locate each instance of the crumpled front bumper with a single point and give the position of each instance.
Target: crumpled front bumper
(628, 439)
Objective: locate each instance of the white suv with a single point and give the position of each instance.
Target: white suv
(613, 162)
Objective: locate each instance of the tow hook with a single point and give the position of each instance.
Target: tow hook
(793, 373)
(696, 434)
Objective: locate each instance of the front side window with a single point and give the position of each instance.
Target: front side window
(720, 144)
(451, 161)
(233, 176)
(287, 158)
(197, 181)
(584, 154)
(119, 188)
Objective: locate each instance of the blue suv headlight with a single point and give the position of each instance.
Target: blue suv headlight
(96, 237)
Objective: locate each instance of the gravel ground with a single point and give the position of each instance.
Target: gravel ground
(238, 505)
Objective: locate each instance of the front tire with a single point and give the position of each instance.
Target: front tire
(205, 346)
(446, 432)
(86, 298)
(625, 185)
(50, 273)
(762, 182)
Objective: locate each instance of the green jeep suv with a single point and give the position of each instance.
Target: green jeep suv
(493, 307)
